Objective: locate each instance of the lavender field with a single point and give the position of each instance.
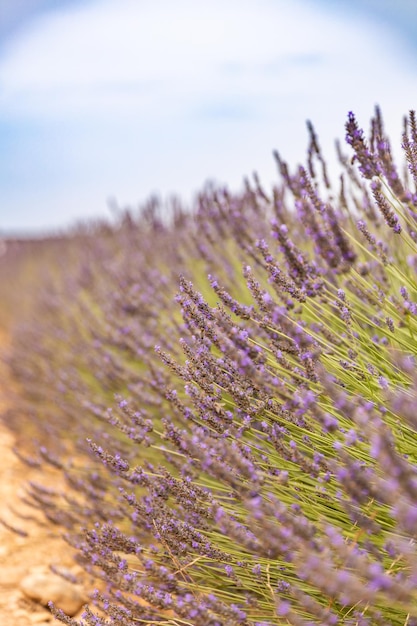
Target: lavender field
(231, 396)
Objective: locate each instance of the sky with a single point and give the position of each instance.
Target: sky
(116, 100)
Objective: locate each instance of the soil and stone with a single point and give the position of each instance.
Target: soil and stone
(27, 582)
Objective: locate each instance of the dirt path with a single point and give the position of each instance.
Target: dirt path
(42, 545)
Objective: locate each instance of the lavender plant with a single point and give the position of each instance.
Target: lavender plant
(240, 386)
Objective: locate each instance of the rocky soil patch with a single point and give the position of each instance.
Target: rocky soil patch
(26, 579)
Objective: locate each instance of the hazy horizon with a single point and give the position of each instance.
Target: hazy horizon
(123, 100)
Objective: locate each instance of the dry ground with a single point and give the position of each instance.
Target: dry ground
(19, 555)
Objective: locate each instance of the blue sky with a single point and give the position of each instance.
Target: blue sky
(120, 99)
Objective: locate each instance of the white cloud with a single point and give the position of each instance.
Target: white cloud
(129, 54)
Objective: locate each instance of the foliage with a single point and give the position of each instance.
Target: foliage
(236, 389)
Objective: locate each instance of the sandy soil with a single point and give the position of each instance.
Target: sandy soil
(42, 544)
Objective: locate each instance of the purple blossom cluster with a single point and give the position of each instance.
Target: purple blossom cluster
(231, 394)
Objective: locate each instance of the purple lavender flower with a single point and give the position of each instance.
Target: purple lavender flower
(229, 395)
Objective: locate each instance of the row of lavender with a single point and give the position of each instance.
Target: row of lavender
(231, 397)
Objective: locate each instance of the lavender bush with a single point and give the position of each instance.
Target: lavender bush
(231, 396)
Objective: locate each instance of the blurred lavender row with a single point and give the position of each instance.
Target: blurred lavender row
(230, 394)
